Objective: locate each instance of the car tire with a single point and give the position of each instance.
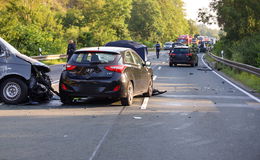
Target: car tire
(66, 99)
(149, 92)
(193, 64)
(128, 100)
(175, 64)
(13, 91)
(170, 64)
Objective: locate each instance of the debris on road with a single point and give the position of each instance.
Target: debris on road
(157, 92)
(137, 118)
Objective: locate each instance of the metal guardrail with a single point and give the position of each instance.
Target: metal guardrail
(49, 57)
(239, 66)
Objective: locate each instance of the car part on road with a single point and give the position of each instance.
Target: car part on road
(157, 92)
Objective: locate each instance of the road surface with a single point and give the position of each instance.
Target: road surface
(201, 117)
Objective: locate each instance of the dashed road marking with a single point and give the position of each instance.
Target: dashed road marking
(145, 102)
(159, 68)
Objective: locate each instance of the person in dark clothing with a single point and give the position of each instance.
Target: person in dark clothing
(157, 47)
(71, 49)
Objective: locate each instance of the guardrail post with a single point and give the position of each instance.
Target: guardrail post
(222, 54)
(40, 50)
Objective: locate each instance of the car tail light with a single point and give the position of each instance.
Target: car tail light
(173, 54)
(70, 67)
(188, 54)
(64, 87)
(116, 68)
(116, 88)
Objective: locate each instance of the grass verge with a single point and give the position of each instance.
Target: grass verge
(250, 80)
(55, 61)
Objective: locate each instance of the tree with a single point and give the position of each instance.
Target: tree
(29, 25)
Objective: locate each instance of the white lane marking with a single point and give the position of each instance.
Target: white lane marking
(146, 99)
(206, 97)
(145, 102)
(159, 68)
(99, 145)
(240, 89)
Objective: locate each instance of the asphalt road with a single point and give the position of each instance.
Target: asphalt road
(201, 117)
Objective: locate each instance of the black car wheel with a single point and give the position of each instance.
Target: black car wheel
(170, 64)
(13, 91)
(127, 101)
(149, 92)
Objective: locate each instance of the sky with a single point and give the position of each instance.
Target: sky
(192, 7)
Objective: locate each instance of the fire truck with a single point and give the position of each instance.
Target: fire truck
(185, 39)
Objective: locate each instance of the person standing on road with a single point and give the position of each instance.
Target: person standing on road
(157, 47)
(71, 49)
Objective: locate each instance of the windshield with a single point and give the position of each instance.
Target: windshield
(168, 43)
(181, 50)
(8, 46)
(92, 57)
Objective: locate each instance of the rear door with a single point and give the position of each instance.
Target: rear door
(133, 70)
(143, 72)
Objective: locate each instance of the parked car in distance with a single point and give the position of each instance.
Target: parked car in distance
(167, 45)
(108, 72)
(182, 55)
(21, 77)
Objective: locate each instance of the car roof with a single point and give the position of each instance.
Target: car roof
(181, 47)
(103, 49)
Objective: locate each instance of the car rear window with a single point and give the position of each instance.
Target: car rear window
(93, 57)
(168, 43)
(180, 50)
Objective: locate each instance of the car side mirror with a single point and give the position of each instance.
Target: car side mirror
(147, 63)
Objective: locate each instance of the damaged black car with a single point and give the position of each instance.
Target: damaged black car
(21, 77)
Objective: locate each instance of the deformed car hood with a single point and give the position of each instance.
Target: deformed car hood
(39, 65)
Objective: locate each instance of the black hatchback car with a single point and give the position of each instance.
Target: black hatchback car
(108, 72)
(182, 55)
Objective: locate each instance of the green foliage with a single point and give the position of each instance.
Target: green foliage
(29, 26)
(55, 61)
(49, 24)
(157, 20)
(241, 21)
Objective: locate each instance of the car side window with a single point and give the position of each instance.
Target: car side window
(128, 58)
(2, 53)
(137, 59)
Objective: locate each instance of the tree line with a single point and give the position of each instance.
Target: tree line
(49, 24)
(240, 20)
